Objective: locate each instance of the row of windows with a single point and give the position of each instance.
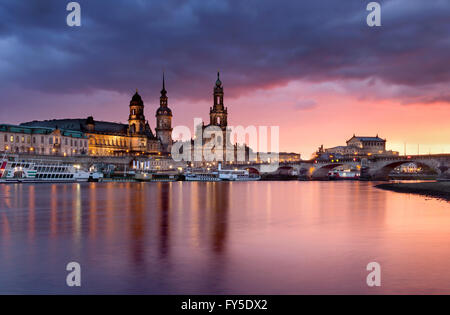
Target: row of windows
(51, 140)
(121, 143)
(41, 150)
(373, 144)
(54, 176)
(20, 165)
(51, 169)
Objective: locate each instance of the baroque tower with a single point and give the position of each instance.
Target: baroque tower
(136, 120)
(218, 113)
(164, 122)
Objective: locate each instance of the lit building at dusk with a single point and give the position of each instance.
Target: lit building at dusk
(117, 139)
(359, 146)
(40, 140)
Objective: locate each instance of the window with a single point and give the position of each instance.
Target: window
(23, 139)
(12, 139)
(6, 138)
(34, 140)
(50, 140)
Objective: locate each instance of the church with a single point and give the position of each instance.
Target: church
(219, 141)
(116, 139)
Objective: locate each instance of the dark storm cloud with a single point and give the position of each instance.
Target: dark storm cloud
(126, 44)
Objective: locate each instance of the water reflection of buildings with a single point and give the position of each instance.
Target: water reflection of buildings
(164, 209)
(214, 199)
(137, 225)
(219, 204)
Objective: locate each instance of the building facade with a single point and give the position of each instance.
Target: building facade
(358, 146)
(289, 157)
(116, 139)
(44, 141)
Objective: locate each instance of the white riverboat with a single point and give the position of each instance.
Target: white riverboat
(236, 175)
(220, 175)
(202, 176)
(15, 170)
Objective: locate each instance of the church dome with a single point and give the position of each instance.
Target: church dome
(164, 111)
(136, 100)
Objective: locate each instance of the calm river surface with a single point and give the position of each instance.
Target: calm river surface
(221, 238)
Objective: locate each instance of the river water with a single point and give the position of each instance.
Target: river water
(221, 238)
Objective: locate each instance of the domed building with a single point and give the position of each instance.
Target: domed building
(116, 139)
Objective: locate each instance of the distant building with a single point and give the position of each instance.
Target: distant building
(284, 157)
(218, 119)
(408, 168)
(358, 146)
(39, 140)
(116, 139)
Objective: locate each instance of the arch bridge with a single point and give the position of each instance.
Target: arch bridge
(372, 168)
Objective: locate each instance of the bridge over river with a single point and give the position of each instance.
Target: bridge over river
(372, 168)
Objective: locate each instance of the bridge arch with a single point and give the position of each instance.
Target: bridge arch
(252, 170)
(383, 172)
(321, 172)
(287, 170)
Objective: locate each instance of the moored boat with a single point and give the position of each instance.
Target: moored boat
(15, 170)
(202, 176)
(343, 175)
(236, 175)
(157, 177)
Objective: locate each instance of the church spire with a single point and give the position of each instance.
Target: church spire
(163, 91)
(164, 120)
(163, 98)
(218, 113)
(218, 82)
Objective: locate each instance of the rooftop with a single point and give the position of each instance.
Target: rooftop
(363, 138)
(39, 130)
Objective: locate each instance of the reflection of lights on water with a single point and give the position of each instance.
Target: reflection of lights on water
(77, 223)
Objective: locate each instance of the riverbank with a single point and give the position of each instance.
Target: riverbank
(430, 189)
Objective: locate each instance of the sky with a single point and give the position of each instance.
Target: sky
(313, 68)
